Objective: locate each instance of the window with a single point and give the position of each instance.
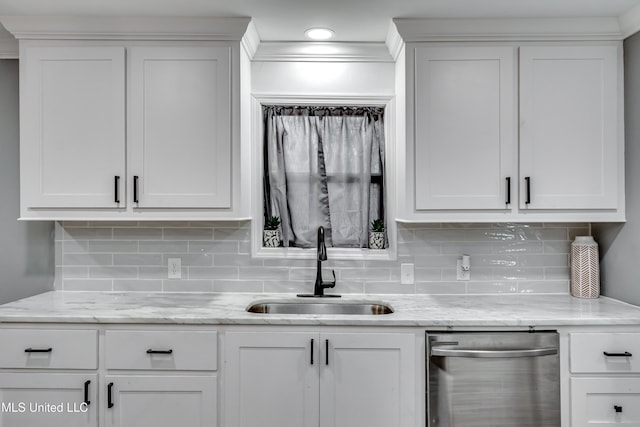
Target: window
(324, 166)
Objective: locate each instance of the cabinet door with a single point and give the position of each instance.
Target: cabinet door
(569, 127)
(72, 128)
(464, 124)
(181, 127)
(271, 379)
(155, 401)
(368, 380)
(605, 401)
(57, 400)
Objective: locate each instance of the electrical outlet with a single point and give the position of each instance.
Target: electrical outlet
(462, 274)
(406, 274)
(174, 266)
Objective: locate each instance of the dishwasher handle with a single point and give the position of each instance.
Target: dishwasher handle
(536, 352)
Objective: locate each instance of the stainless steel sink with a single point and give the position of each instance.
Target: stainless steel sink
(319, 307)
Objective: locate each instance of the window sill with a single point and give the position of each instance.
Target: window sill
(360, 254)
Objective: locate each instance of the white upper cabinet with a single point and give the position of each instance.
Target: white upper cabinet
(464, 127)
(139, 122)
(73, 127)
(181, 127)
(513, 133)
(569, 127)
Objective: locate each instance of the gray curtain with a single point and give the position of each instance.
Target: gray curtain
(324, 166)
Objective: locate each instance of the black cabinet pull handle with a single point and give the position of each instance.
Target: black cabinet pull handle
(326, 351)
(38, 350)
(508, 197)
(135, 189)
(312, 351)
(617, 408)
(86, 392)
(527, 181)
(625, 354)
(110, 395)
(117, 189)
(151, 351)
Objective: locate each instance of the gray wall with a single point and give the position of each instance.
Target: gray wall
(26, 248)
(620, 243)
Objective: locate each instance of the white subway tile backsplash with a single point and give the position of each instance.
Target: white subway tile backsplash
(113, 272)
(262, 273)
(137, 285)
(87, 285)
(440, 288)
(177, 285)
(238, 286)
(138, 259)
(188, 234)
(214, 247)
(189, 260)
(164, 247)
(112, 246)
(137, 233)
(215, 256)
(213, 272)
(86, 259)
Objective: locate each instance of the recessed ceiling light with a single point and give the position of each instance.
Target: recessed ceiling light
(319, 33)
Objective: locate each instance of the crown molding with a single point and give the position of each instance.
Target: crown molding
(129, 28)
(8, 48)
(522, 29)
(323, 51)
(251, 40)
(630, 21)
(394, 41)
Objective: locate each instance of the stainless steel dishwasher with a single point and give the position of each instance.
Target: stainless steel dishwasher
(493, 379)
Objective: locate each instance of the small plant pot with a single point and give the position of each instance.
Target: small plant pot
(376, 240)
(271, 238)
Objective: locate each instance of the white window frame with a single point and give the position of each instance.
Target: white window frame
(257, 125)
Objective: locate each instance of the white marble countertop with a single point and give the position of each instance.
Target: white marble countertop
(409, 310)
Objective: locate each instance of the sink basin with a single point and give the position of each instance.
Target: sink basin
(319, 307)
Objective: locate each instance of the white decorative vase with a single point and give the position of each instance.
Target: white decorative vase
(585, 268)
(376, 240)
(271, 238)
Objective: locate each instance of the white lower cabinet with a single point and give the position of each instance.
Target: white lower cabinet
(605, 401)
(160, 401)
(160, 378)
(311, 378)
(605, 378)
(45, 399)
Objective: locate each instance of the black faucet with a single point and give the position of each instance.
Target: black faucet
(320, 286)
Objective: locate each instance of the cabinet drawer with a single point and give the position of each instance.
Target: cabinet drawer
(588, 352)
(48, 349)
(605, 401)
(162, 350)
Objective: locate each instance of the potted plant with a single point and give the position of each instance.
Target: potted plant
(271, 234)
(376, 235)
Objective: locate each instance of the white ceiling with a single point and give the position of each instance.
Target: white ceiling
(352, 20)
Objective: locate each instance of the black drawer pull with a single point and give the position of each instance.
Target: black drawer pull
(117, 189)
(86, 392)
(508, 198)
(326, 351)
(617, 408)
(151, 351)
(625, 354)
(110, 395)
(38, 350)
(527, 181)
(135, 189)
(312, 351)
